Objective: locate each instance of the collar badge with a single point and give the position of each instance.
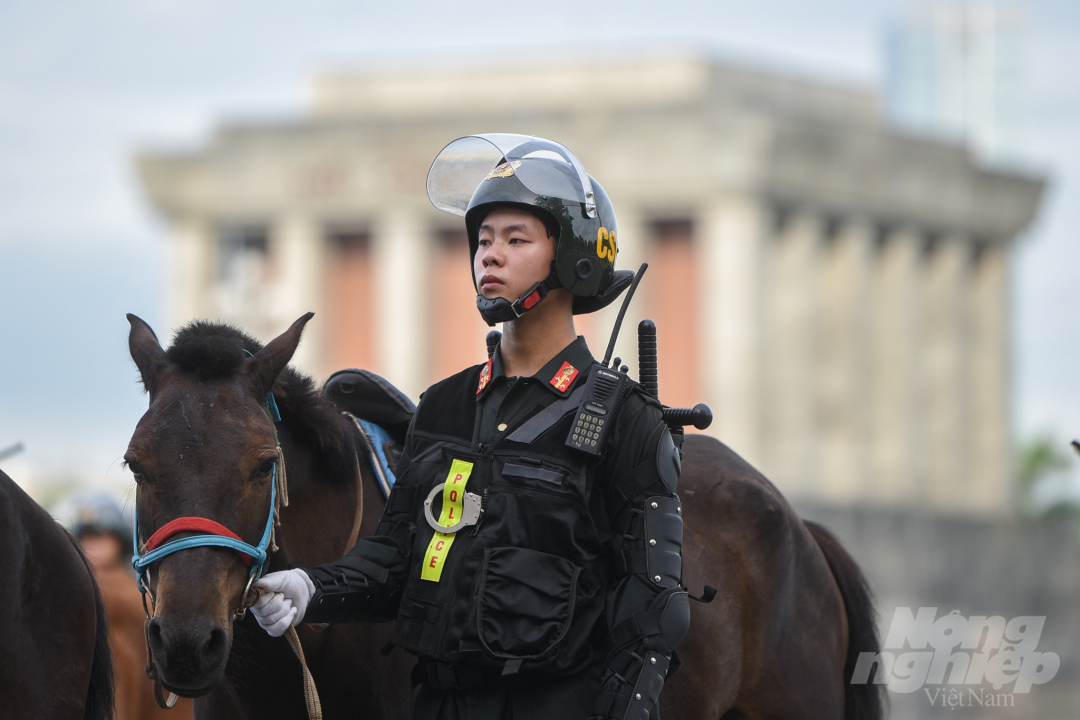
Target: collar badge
(564, 377)
(485, 377)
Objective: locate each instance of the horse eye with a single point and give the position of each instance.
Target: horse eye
(265, 469)
(136, 471)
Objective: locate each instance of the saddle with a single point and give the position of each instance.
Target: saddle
(383, 412)
(373, 398)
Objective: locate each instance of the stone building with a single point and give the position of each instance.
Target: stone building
(836, 291)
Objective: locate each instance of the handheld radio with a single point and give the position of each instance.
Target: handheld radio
(603, 390)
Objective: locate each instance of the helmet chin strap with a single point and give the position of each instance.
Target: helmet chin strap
(498, 310)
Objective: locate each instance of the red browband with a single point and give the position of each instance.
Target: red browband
(193, 524)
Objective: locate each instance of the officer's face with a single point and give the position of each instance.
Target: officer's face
(514, 254)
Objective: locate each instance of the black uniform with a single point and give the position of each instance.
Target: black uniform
(555, 600)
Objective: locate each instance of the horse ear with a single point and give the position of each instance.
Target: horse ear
(264, 366)
(145, 351)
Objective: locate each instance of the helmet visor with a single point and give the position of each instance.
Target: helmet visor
(545, 167)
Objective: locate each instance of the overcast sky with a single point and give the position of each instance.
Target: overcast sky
(84, 85)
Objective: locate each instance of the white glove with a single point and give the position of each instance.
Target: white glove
(284, 600)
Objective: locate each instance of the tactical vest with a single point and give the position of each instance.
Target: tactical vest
(524, 588)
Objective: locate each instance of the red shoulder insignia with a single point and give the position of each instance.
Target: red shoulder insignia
(564, 377)
(485, 377)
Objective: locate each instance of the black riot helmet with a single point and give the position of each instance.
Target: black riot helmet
(476, 174)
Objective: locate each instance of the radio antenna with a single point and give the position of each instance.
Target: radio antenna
(622, 312)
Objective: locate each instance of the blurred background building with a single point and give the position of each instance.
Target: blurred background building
(836, 291)
(955, 70)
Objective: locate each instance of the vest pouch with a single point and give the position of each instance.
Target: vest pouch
(558, 476)
(417, 628)
(527, 603)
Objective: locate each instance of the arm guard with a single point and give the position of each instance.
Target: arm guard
(638, 663)
(651, 610)
(364, 585)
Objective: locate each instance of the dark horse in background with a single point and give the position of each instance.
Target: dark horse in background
(779, 641)
(54, 636)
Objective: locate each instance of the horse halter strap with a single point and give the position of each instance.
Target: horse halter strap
(216, 534)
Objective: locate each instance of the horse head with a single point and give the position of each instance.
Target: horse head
(205, 453)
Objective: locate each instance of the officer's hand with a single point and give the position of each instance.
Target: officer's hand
(284, 600)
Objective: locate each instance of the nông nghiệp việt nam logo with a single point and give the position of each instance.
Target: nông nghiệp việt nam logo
(923, 650)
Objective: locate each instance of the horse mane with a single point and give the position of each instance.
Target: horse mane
(210, 350)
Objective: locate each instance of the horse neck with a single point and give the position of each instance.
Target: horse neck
(317, 525)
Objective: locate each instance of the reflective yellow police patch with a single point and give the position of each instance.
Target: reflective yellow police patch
(453, 498)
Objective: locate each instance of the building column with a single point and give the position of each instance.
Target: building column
(298, 247)
(944, 390)
(790, 354)
(730, 238)
(672, 296)
(843, 416)
(990, 460)
(191, 280)
(400, 255)
(895, 360)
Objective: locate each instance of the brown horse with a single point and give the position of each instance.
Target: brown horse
(779, 641)
(55, 660)
(204, 448)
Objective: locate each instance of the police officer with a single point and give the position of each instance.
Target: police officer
(532, 579)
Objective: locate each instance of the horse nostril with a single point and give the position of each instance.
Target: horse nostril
(157, 644)
(215, 648)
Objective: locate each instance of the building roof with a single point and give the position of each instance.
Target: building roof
(668, 132)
